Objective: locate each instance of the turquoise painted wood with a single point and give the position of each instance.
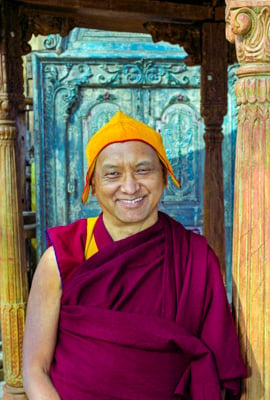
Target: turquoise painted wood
(80, 82)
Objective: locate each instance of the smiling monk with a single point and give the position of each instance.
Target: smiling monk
(130, 304)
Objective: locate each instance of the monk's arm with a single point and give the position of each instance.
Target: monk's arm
(41, 329)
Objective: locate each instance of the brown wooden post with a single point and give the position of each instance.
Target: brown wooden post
(12, 245)
(207, 47)
(213, 110)
(248, 26)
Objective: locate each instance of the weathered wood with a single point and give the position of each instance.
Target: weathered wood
(119, 15)
(187, 36)
(125, 8)
(213, 110)
(248, 26)
(12, 246)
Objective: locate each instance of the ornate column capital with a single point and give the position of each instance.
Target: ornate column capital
(247, 25)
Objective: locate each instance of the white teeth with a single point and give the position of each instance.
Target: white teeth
(133, 201)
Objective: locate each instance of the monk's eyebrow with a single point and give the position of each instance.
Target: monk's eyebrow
(139, 164)
(144, 163)
(109, 166)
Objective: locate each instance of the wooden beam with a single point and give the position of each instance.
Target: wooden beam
(140, 9)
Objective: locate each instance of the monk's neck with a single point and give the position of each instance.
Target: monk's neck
(122, 230)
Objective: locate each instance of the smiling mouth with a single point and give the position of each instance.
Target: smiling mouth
(133, 201)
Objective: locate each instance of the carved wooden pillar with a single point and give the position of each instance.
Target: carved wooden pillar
(248, 26)
(12, 251)
(213, 110)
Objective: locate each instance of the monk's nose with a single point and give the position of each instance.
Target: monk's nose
(129, 184)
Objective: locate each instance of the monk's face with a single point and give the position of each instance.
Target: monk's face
(128, 182)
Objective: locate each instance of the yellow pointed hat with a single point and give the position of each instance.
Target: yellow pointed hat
(122, 128)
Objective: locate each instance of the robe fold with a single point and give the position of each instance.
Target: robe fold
(145, 318)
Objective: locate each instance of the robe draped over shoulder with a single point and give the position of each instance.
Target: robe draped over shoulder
(145, 318)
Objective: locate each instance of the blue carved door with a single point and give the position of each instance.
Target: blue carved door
(79, 83)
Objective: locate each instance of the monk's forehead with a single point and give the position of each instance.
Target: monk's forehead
(135, 148)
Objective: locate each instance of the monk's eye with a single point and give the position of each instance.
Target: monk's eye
(112, 174)
(143, 171)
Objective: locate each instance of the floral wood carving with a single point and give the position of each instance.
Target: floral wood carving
(187, 36)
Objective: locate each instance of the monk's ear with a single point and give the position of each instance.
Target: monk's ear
(165, 176)
(93, 185)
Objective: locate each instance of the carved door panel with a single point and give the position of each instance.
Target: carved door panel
(175, 115)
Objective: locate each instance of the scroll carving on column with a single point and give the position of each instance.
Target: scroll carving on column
(249, 30)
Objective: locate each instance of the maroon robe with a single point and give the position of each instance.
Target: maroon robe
(145, 318)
